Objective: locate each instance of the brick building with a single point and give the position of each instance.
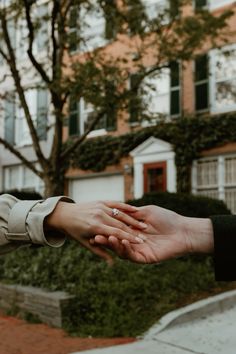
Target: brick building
(206, 85)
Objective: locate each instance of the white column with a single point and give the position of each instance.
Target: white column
(194, 177)
(138, 180)
(221, 177)
(171, 175)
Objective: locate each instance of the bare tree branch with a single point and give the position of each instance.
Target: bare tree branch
(20, 90)
(16, 152)
(36, 64)
(78, 141)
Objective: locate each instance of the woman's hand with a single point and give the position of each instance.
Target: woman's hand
(168, 235)
(85, 220)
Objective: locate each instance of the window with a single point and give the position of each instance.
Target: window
(82, 113)
(216, 178)
(88, 28)
(212, 4)
(200, 3)
(201, 79)
(42, 32)
(9, 121)
(154, 7)
(42, 113)
(11, 178)
(38, 106)
(158, 94)
(22, 40)
(223, 79)
(21, 178)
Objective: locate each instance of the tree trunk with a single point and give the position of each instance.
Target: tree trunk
(54, 185)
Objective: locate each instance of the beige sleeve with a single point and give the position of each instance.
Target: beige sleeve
(22, 222)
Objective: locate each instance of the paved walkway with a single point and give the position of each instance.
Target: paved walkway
(206, 327)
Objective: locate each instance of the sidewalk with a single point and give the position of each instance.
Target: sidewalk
(205, 327)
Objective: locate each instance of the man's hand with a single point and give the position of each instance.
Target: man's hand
(168, 235)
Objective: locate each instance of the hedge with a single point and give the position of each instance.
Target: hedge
(27, 195)
(122, 300)
(184, 204)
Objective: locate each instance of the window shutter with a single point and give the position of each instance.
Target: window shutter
(200, 3)
(111, 24)
(42, 109)
(74, 117)
(201, 83)
(174, 88)
(135, 99)
(174, 8)
(11, 26)
(74, 29)
(9, 128)
(42, 34)
(111, 115)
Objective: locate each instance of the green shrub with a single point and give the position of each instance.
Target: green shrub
(23, 194)
(122, 300)
(184, 204)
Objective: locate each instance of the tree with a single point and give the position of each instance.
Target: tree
(65, 61)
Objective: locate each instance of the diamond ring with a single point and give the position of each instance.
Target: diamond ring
(115, 212)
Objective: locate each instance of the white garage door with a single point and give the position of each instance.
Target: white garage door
(97, 188)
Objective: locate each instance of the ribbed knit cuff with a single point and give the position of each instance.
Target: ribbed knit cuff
(224, 227)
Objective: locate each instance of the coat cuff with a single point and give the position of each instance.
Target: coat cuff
(224, 227)
(26, 222)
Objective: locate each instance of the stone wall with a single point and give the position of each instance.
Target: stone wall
(47, 306)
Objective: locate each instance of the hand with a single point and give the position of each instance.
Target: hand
(85, 220)
(168, 235)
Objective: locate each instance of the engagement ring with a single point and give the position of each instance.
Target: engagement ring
(115, 212)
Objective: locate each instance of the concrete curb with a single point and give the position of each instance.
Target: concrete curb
(197, 310)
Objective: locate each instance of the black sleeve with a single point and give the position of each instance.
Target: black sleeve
(224, 228)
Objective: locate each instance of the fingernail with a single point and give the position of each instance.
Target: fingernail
(143, 225)
(142, 237)
(139, 240)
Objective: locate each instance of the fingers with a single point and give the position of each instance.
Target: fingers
(121, 206)
(120, 234)
(129, 220)
(101, 240)
(99, 252)
(123, 248)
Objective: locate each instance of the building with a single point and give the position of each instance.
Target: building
(204, 86)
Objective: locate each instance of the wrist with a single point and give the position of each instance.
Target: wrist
(54, 221)
(199, 233)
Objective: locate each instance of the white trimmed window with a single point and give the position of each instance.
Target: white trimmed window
(154, 7)
(87, 28)
(223, 79)
(19, 177)
(215, 177)
(215, 80)
(212, 4)
(37, 102)
(158, 94)
(82, 114)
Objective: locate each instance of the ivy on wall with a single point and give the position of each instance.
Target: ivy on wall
(188, 135)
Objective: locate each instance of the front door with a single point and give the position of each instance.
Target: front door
(155, 177)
